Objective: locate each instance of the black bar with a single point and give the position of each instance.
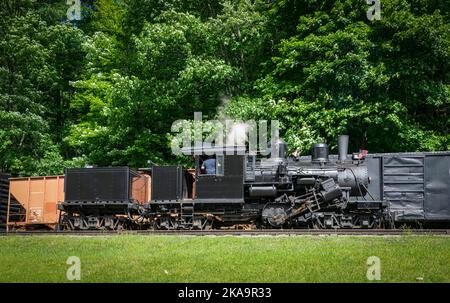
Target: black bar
(227, 292)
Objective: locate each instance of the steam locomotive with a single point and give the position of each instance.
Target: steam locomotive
(277, 191)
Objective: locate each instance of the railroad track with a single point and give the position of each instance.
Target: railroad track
(254, 232)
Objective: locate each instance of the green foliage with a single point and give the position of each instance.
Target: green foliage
(379, 82)
(126, 112)
(108, 16)
(106, 90)
(141, 11)
(242, 38)
(37, 61)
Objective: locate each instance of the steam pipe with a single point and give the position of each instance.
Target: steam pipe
(343, 147)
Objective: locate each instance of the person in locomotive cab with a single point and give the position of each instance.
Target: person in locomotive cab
(296, 154)
(209, 166)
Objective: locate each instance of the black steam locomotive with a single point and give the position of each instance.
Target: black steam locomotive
(274, 191)
(321, 191)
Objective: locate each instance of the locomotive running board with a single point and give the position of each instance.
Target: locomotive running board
(201, 201)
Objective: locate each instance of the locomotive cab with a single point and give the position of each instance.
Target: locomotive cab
(219, 174)
(218, 177)
(186, 199)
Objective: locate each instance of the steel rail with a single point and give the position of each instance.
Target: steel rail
(254, 232)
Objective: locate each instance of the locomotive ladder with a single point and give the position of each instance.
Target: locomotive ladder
(187, 213)
(313, 204)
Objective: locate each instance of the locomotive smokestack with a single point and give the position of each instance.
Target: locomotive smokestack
(279, 149)
(342, 147)
(320, 153)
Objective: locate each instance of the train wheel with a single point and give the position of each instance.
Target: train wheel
(274, 214)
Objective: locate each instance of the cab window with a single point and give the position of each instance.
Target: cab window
(220, 165)
(213, 165)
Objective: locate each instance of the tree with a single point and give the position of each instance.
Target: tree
(36, 62)
(105, 90)
(378, 82)
(130, 111)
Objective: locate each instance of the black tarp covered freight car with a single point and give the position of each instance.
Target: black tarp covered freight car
(415, 185)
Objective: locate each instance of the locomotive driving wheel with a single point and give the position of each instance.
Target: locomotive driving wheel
(275, 214)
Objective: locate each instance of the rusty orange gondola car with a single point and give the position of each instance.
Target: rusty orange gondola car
(32, 202)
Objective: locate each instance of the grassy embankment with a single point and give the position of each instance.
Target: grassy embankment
(128, 258)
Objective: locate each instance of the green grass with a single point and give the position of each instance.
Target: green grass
(131, 258)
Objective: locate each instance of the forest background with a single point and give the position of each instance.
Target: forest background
(106, 89)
